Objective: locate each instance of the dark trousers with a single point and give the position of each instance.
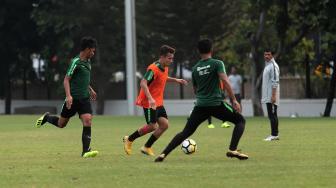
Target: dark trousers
(273, 117)
(199, 114)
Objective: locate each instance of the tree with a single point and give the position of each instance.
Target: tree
(258, 29)
(279, 25)
(330, 51)
(162, 22)
(17, 31)
(100, 19)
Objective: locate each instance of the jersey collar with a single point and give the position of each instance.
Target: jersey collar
(157, 63)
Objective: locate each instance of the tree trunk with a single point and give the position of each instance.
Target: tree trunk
(48, 89)
(100, 100)
(2, 79)
(8, 95)
(180, 85)
(256, 87)
(257, 67)
(331, 93)
(308, 91)
(101, 83)
(24, 84)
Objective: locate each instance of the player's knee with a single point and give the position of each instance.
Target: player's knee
(186, 133)
(146, 129)
(87, 122)
(62, 125)
(164, 127)
(243, 121)
(240, 121)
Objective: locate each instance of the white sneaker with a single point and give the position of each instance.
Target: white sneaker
(272, 138)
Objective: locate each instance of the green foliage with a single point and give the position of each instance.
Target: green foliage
(54, 28)
(18, 40)
(65, 23)
(182, 24)
(319, 85)
(298, 55)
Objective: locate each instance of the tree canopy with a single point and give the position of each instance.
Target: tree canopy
(300, 32)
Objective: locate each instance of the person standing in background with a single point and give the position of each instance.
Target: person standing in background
(271, 93)
(236, 84)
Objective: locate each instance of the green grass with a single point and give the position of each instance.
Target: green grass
(50, 157)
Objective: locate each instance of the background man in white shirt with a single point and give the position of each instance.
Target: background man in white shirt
(236, 83)
(271, 93)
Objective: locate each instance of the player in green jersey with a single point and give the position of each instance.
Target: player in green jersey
(78, 94)
(206, 77)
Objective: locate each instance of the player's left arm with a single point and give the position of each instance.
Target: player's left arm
(177, 80)
(93, 94)
(275, 83)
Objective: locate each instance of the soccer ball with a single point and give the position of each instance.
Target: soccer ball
(189, 146)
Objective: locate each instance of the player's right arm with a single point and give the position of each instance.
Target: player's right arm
(144, 87)
(149, 76)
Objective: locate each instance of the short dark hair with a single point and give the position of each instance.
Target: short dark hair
(204, 46)
(88, 42)
(268, 50)
(165, 49)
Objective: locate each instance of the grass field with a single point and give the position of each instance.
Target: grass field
(49, 157)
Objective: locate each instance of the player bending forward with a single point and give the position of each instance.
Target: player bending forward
(151, 100)
(206, 75)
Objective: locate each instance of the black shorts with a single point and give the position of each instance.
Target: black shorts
(224, 112)
(152, 115)
(82, 106)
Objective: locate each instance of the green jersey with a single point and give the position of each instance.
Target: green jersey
(206, 82)
(79, 71)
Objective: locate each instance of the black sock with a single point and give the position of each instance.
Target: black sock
(53, 120)
(177, 140)
(150, 141)
(134, 136)
(209, 120)
(236, 135)
(188, 130)
(86, 138)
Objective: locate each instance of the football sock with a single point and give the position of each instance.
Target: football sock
(209, 121)
(237, 133)
(150, 141)
(86, 138)
(134, 136)
(53, 120)
(145, 129)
